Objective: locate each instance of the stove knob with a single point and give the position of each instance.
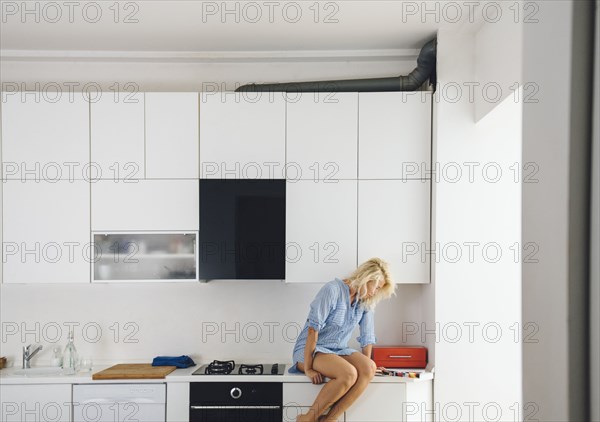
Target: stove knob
(235, 393)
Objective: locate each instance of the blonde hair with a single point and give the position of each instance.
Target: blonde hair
(375, 269)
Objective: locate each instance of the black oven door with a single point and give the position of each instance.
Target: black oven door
(236, 401)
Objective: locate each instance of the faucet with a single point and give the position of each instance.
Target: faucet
(28, 354)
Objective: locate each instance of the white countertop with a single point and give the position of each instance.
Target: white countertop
(8, 376)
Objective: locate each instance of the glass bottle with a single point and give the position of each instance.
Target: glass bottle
(70, 362)
(57, 357)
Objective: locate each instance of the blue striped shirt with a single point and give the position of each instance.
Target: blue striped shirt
(334, 318)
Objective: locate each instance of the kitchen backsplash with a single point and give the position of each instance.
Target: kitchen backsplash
(253, 320)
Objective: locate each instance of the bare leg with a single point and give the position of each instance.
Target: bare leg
(342, 376)
(365, 368)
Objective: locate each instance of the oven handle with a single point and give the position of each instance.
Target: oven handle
(234, 407)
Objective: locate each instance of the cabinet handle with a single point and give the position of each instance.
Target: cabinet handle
(400, 356)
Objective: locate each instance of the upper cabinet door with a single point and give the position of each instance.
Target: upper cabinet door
(118, 137)
(320, 230)
(145, 205)
(172, 135)
(322, 136)
(45, 136)
(394, 225)
(46, 231)
(242, 136)
(394, 135)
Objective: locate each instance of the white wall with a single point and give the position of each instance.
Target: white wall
(546, 142)
(498, 55)
(478, 372)
(175, 319)
(181, 76)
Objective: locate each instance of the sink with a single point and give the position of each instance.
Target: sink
(42, 371)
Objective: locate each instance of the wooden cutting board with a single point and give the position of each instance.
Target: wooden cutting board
(126, 371)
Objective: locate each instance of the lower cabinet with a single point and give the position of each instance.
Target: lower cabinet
(381, 402)
(35, 402)
(178, 401)
(119, 402)
(290, 413)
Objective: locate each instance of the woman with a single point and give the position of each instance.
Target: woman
(321, 349)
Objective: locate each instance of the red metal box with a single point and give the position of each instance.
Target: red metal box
(400, 356)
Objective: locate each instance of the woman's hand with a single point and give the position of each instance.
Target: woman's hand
(315, 376)
(381, 370)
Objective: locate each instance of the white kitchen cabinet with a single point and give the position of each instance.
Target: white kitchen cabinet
(145, 205)
(291, 413)
(394, 139)
(139, 256)
(119, 402)
(35, 402)
(419, 402)
(242, 135)
(46, 231)
(394, 224)
(45, 137)
(394, 402)
(178, 401)
(301, 394)
(379, 403)
(320, 230)
(322, 132)
(298, 398)
(171, 135)
(117, 137)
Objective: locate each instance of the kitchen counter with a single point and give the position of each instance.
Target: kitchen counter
(8, 376)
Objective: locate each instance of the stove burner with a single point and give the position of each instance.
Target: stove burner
(250, 369)
(219, 367)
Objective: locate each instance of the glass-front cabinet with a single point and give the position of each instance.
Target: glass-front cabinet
(145, 256)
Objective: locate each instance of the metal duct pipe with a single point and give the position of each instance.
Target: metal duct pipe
(426, 68)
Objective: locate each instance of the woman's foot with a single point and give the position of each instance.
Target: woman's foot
(306, 418)
(326, 418)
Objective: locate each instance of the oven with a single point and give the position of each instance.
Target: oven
(236, 401)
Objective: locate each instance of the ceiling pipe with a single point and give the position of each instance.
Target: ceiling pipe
(426, 69)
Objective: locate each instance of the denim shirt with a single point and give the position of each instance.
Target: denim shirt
(334, 318)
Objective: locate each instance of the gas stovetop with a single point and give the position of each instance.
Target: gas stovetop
(218, 367)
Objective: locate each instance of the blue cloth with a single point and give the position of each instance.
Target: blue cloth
(334, 318)
(178, 361)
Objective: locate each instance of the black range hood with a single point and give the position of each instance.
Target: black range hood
(242, 229)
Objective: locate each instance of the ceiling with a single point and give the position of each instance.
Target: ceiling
(214, 26)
